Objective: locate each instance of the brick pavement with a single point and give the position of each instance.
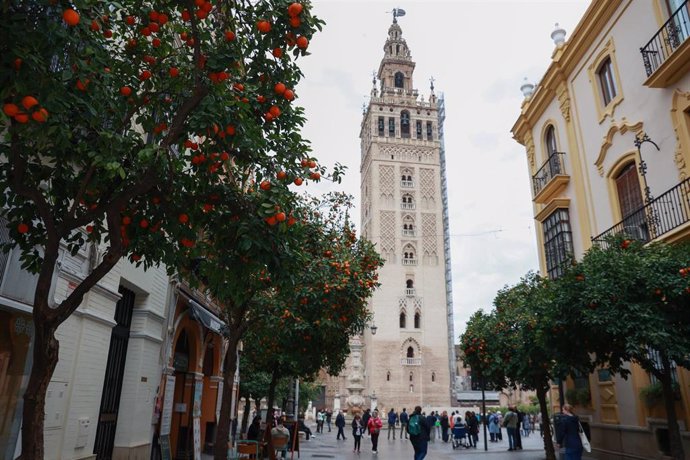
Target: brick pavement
(325, 446)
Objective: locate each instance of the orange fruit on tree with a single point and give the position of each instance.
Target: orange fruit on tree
(263, 26)
(183, 218)
(295, 22)
(298, 181)
(312, 164)
(280, 217)
(29, 101)
(10, 109)
(315, 175)
(265, 185)
(126, 91)
(70, 17)
(22, 228)
(130, 20)
(275, 111)
(289, 94)
(295, 9)
(230, 129)
(302, 42)
(279, 88)
(21, 118)
(229, 35)
(94, 26)
(278, 52)
(174, 72)
(40, 115)
(281, 175)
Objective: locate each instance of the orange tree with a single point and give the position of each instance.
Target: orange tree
(306, 326)
(523, 344)
(631, 302)
(132, 126)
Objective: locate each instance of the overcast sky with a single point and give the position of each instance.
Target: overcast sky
(478, 53)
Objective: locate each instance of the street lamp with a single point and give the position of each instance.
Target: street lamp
(373, 329)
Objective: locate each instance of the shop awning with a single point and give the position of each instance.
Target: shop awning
(207, 318)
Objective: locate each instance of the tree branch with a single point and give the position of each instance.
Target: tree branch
(82, 189)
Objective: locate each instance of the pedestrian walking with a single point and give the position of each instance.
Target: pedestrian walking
(431, 421)
(445, 424)
(510, 421)
(568, 434)
(472, 428)
(320, 418)
(526, 425)
(340, 424)
(329, 415)
(437, 425)
(392, 420)
(493, 427)
(357, 432)
(375, 424)
(404, 419)
(365, 420)
(419, 431)
(518, 436)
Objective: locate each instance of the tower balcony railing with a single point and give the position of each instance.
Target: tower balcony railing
(409, 206)
(409, 262)
(411, 361)
(408, 232)
(661, 215)
(406, 183)
(668, 50)
(550, 177)
(410, 292)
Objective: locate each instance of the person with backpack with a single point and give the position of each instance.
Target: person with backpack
(392, 420)
(419, 431)
(375, 424)
(404, 419)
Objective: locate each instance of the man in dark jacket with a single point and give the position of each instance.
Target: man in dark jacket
(340, 423)
(365, 419)
(518, 437)
(431, 421)
(404, 418)
(392, 420)
(419, 436)
(329, 414)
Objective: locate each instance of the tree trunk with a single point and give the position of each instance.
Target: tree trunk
(269, 412)
(670, 403)
(245, 414)
(546, 423)
(45, 358)
(220, 447)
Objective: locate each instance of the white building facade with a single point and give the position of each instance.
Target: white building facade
(410, 360)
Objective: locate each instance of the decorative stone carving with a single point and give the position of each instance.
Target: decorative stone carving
(680, 105)
(429, 237)
(529, 145)
(355, 381)
(387, 223)
(622, 127)
(386, 180)
(564, 102)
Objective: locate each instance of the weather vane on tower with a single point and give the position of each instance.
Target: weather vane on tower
(397, 12)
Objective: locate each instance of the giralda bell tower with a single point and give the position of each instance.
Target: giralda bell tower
(410, 359)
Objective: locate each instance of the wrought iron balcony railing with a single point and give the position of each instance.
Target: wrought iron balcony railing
(661, 215)
(408, 206)
(411, 361)
(407, 232)
(406, 183)
(671, 35)
(409, 261)
(552, 167)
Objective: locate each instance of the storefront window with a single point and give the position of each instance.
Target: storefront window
(16, 332)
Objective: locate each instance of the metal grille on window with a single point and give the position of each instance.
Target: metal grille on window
(419, 129)
(558, 242)
(381, 126)
(391, 127)
(655, 357)
(429, 131)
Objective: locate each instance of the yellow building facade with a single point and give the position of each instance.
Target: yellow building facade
(607, 136)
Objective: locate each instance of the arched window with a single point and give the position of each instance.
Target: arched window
(407, 202)
(411, 376)
(607, 81)
(399, 80)
(410, 284)
(417, 320)
(408, 226)
(410, 352)
(405, 123)
(433, 376)
(388, 376)
(550, 140)
(403, 320)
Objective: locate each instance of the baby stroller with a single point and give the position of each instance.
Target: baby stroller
(460, 436)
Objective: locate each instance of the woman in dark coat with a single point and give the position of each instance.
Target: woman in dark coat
(568, 434)
(254, 431)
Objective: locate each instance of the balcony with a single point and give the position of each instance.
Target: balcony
(408, 206)
(410, 292)
(409, 262)
(666, 57)
(411, 361)
(406, 184)
(657, 218)
(407, 232)
(550, 179)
